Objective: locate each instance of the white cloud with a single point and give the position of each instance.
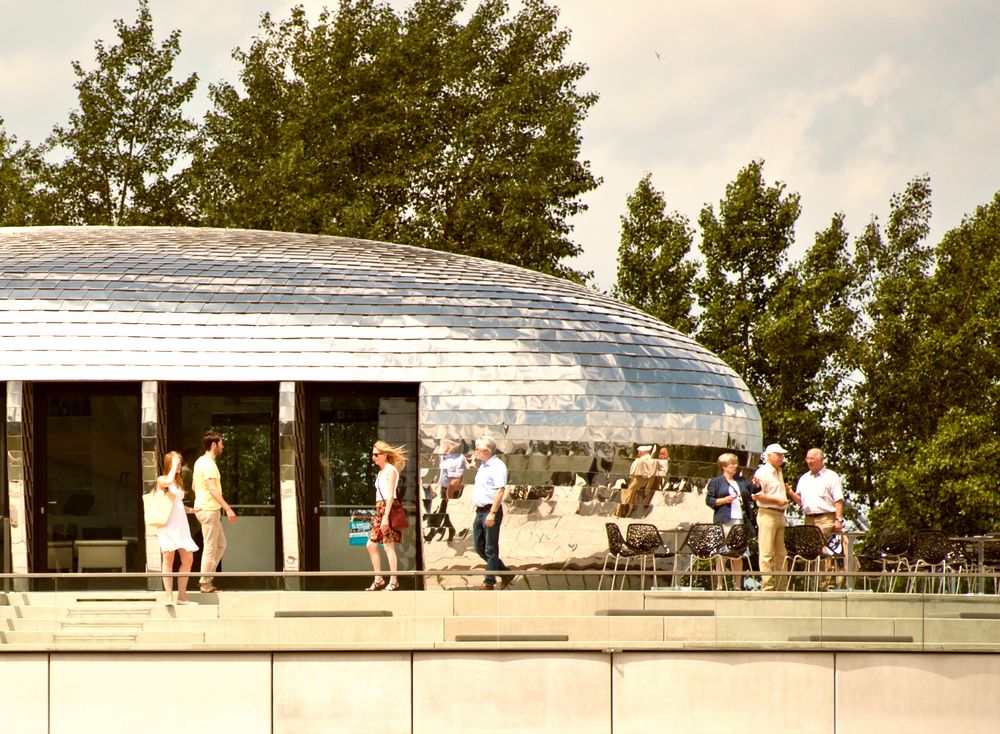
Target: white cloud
(845, 101)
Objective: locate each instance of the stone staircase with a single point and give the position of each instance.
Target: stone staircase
(461, 620)
(89, 620)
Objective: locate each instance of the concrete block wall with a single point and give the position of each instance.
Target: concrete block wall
(522, 691)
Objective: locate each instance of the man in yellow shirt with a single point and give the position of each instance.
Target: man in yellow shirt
(208, 501)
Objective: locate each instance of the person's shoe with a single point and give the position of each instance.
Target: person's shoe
(484, 587)
(187, 602)
(168, 602)
(506, 581)
(208, 589)
(377, 585)
(391, 587)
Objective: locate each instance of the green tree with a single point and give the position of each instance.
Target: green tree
(654, 272)
(810, 320)
(745, 248)
(15, 181)
(934, 469)
(416, 128)
(890, 409)
(128, 134)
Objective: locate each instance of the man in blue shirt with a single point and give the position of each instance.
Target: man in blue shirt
(487, 497)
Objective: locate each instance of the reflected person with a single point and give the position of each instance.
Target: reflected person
(641, 474)
(662, 468)
(208, 503)
(451, 469)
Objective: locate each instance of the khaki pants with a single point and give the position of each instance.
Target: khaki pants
(771, 541)
(827, 522)
(213, 541)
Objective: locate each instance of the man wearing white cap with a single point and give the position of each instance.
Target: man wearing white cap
(771, 502)
(641, 474)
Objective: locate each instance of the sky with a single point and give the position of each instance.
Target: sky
(845, 102)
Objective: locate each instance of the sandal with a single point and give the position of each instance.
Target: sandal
(391, 587)
(377, 584)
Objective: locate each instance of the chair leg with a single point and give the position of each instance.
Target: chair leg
(624, 575)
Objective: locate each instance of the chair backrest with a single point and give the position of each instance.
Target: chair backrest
(643, 537)
(931, 546)
(805, 541)
(894, 541)
(616, 542)
(738, 539)
(991, 552)
(705, 539)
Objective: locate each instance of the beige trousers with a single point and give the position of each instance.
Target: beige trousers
(771, 541)
(213, 541)
(827, 522)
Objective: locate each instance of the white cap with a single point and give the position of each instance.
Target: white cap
(774, 449)
(647, 449)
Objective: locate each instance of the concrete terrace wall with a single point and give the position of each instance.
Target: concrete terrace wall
(517, 691)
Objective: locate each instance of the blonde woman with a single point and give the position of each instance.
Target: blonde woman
(390, 461)
(175, 535)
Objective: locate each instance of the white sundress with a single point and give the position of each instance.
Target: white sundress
(176, 533)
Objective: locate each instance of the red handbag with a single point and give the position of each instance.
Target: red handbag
(397, 516)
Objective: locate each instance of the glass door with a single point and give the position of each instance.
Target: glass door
(345, 420)
(245, 417)
(87, 477)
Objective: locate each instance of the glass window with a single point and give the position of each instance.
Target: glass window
(245, 416)
(88, 477)
(4, 513)
(351, 419)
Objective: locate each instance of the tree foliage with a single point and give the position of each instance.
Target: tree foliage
(934, 469)
(15, 181)
(810, 320)
(889, 412)
(745, 249)
(654, 271)
(415, 128)
(127, 135)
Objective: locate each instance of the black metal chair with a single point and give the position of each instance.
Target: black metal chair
(804, 545)
(617, 549)
(886, 552)
(645, 541)
(704, 542)
(932, 559)
(737, 541)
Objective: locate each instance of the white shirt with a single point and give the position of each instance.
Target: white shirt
(820, 492)
(490, 477)
(644, 466)
(452, 465)
(772, 484)
(736, 508)
(382, 489)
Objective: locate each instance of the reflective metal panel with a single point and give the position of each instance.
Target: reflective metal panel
(570, 379)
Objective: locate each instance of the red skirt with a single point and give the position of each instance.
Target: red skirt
(376, 535)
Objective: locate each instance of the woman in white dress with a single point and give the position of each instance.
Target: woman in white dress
(175, 535)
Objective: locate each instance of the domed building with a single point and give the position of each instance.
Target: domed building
(117, 344)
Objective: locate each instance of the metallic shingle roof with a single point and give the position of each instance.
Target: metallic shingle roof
(530, 356)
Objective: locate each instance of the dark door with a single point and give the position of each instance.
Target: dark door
(343, 420)
(88, 477)
(245, 414)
